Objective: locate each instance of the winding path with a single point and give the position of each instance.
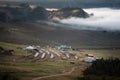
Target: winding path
(82, 67)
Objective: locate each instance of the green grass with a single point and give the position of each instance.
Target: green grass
(17, 47)
(30, 33)
(28, 68)
(104, 53)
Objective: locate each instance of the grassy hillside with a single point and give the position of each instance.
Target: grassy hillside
(26, 68)
(43, 34)
(15, 36)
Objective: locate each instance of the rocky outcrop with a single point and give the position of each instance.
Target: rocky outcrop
(69, 12)
(4, 16)
(14, 14)
(39, 13)
(23, 13)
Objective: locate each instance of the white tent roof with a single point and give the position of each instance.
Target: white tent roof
(89, 59)
(30, 48)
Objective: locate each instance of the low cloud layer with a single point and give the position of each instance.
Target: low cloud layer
(103, 19)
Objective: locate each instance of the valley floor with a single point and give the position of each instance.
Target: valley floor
(16, 36)
(30, 68)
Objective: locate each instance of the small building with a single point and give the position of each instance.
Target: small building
(90, 55)
(31, 49)
(63, 47)
(89, 59)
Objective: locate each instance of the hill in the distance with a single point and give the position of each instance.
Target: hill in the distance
(24, 12)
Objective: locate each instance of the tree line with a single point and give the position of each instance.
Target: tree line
(102, 69)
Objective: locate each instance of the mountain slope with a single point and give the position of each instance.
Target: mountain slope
(43, 34)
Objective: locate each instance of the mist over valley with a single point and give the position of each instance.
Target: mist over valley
(102, 19)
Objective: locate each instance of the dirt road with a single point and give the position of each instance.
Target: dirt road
(82, 67)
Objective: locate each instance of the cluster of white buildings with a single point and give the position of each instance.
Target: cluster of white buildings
(63, 47)
(63, 54)
(42, 53)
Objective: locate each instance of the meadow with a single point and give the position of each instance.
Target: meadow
(16, 36)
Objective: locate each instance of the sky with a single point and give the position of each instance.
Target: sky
(71, 3)
(80, 1)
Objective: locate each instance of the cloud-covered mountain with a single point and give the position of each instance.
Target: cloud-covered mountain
(103, 19)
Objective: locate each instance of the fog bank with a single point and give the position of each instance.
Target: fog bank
(103, 19)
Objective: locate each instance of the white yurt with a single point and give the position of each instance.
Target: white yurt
(89, 59)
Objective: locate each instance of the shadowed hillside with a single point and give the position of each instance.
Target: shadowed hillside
(25, 12)
(43, 34)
